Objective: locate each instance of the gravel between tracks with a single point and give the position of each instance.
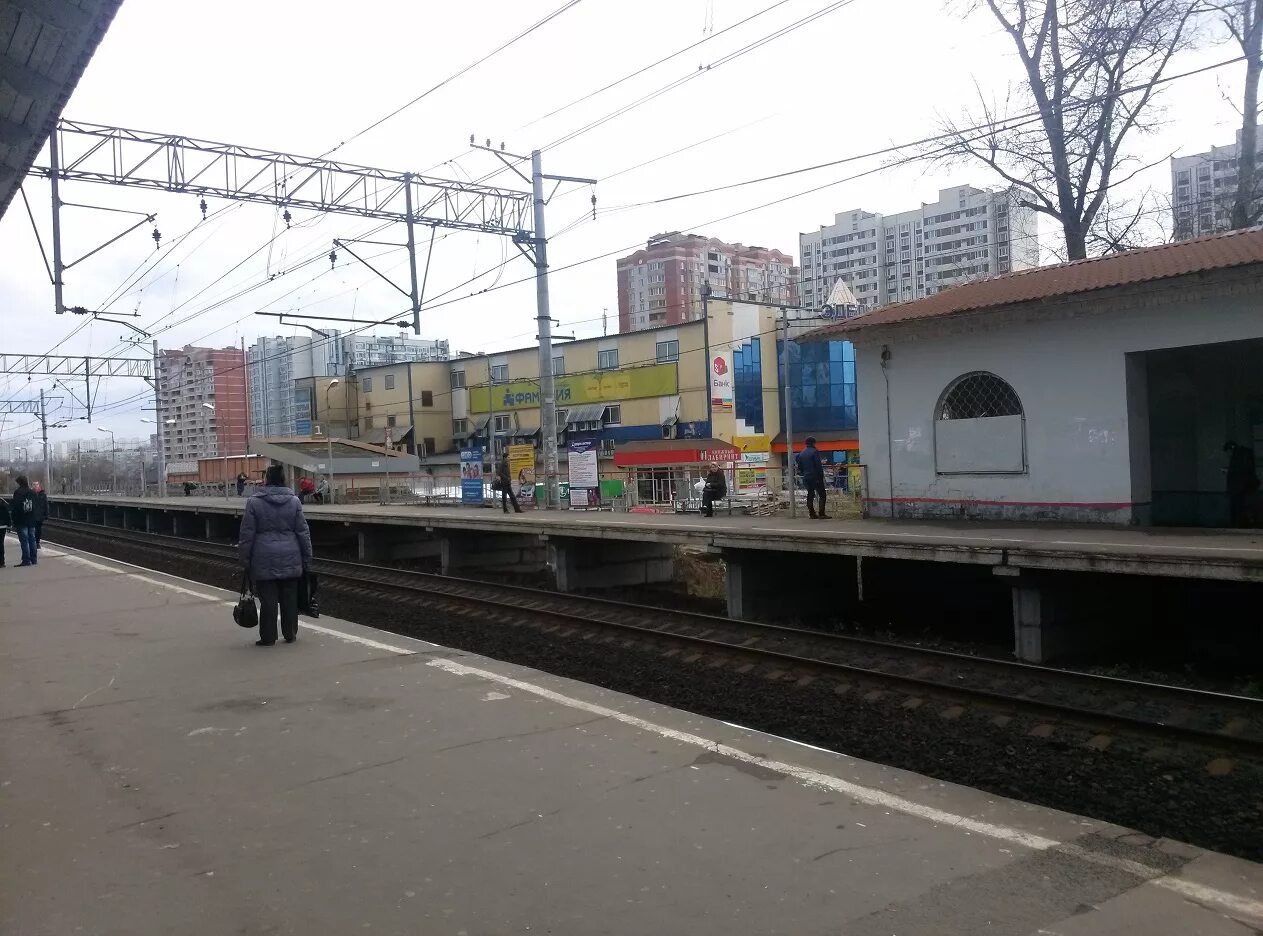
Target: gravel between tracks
(1168, 793)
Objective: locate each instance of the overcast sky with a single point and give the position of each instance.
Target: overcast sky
(302, 77)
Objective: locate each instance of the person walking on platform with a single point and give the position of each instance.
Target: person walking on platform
(6, 521)
(275, 548)
(504, 479)
(242, 478)
(23, 511)
(812, 470)
(41, 514)
(715, 488)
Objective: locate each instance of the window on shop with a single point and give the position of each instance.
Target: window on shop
(458, 379)
(499, 373)
(427, 397)
(979, 427)
(607, 360)
(503, 423)
(390, 381)
(667, 351)
(367, 384)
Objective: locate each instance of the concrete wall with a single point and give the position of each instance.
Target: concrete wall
(1067, 362)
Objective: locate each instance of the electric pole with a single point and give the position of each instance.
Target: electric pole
(43, 428)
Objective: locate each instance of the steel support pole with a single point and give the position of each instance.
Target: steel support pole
(412, 254)
(43, 428)
(158, 417)
(543, 318)
(710, 425)
(54, 162)
(788, 396)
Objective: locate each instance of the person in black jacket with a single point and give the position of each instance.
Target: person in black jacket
(23, 512)
(715, 488)
(6, 521)
(41, 514)
(812, 470)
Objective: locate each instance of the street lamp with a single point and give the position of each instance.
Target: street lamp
(113, 460)
(329, 432)
(211, 407)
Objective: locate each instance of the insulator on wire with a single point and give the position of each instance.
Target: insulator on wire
(333, 258)
(203, 206)
(157, 238)
(287, 218)
(594, 204)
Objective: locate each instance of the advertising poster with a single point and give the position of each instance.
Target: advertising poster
(583, 475)
(721, 378)
(471, 476)
(522, 470)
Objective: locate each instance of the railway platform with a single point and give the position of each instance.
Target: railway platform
(1050, 582)
(161, 774)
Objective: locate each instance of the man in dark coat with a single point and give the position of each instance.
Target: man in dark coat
(275, 546)
(504, 479)
(812, 470)
(6, 521)
(23, 511)
(715, 488)
(1242, 483)
(41, 514)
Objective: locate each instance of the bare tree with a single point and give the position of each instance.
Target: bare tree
(1244, 22)
(1092, 70)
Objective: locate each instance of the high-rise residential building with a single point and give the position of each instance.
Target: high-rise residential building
(281, 407)
(274, 364)
(661, 285)
(1203, 189)
(202, 403)
(966, 234)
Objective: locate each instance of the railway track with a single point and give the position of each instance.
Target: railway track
(1099, 709)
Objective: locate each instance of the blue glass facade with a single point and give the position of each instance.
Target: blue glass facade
(822, 378)
(747, 383)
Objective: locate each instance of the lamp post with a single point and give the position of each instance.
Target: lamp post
(329, 432)
(113, 460)
(161, 461)
(211, 407)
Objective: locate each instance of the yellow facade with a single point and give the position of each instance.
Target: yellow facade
(657, 378)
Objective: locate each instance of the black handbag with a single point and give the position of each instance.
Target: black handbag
(246, 613)
(309, 595)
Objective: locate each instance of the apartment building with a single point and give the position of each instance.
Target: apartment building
(202, 406)
(1203, 189)
(282, 371)
(662, 284)
(968, 233)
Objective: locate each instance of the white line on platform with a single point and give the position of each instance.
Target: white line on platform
(1223, 901)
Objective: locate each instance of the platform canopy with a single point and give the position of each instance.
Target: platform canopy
(46, 47)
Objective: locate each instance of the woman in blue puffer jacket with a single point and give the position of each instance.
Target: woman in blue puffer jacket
(275, 547)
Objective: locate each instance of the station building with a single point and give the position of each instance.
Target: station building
(1102, 390)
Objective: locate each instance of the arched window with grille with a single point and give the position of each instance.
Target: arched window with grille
(979, 427)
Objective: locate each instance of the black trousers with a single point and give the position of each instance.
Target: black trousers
(815, 488)
(708, 501)
(39, 532)
(508, 497)
(274, 595)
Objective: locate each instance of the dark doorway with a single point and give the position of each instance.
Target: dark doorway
(1199, 398)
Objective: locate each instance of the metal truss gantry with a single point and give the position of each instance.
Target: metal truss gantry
(88, 152)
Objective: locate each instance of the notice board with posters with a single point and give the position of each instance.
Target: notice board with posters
(471, 475)
(583, 475)
(522, 471)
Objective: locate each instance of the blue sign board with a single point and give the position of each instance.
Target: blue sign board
(302, 427)
(471, 476)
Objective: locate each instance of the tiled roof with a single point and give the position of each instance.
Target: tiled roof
(1216, 252)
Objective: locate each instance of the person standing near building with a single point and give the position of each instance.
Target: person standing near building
(812, 471)
(23, 511)
(275, 548)
(504, 478)
(715, 488)
(1242, 483)
(41, 513)
(241, 483)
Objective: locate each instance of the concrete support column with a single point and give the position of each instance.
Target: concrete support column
(219, 527)
(1039, 623)
(585, 563)
(804, 587)
(378, 544)
(511, 552)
